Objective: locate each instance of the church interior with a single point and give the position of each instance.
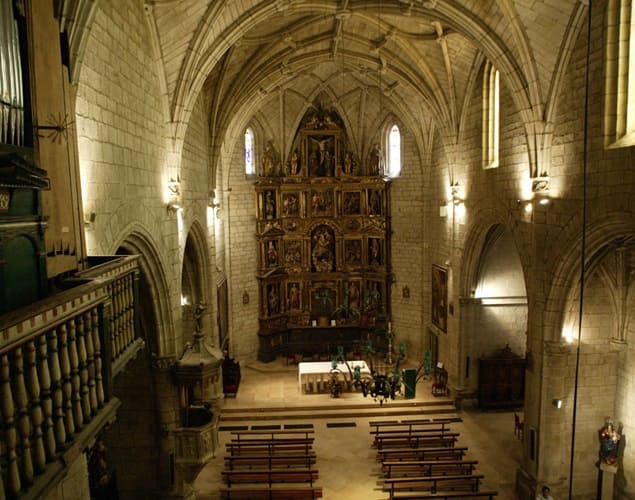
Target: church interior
(225, 217)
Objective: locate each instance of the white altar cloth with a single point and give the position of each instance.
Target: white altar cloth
(316, 374)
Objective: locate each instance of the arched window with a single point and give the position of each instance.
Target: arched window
(491, 116)
(394, 152)
(619, 94)
(250, 166)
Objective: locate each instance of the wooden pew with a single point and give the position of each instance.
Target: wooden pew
(402, 468)
(393, 454)
(432, 484)
(267, 441)
(447, 440)
(270, 476)
(273, 434)
(439, 426)
(282, 461)
(411, 433)
(446, 495)
(273, 493)
(269, 447)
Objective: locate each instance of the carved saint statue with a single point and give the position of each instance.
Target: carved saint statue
(609, 443)
(198, 317)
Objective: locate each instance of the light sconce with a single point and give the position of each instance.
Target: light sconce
(89, 218)
(184, 300)
(214, 203)
(174, 187)
(540, 184)
(556, 403)
(459, 205)
(540, 188)
(173, 208)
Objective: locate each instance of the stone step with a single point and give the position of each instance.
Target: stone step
(391, 408)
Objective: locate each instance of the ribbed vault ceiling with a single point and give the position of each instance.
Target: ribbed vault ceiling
(424, 55)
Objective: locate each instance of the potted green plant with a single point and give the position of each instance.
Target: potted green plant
(345, 314)
(323, 306)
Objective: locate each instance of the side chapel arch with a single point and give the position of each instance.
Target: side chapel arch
(493, 313)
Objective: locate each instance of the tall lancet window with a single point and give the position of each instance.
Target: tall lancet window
(491, 116)
(619, 94)
(11, 87)
(250, 168)
(394, 152)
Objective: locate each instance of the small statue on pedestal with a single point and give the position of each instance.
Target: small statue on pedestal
(609, 443)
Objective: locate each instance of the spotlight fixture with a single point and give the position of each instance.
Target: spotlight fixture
(556, 403)
(173, 208)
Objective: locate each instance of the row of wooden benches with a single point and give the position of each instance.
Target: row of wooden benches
(270, 465)
(420, 459)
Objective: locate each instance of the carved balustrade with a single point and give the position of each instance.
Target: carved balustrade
(56, 369)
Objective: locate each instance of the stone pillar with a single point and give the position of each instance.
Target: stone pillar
(607, 473)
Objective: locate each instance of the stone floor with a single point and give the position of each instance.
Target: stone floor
(269, 395)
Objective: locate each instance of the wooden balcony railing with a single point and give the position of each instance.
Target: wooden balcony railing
(56, 370)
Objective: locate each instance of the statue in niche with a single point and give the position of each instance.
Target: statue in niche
(268, 160)
(609, 443)
(272, 254)
(374, 252)
(374, 203)
(293, 296)
(273, 300)
(322, 255)
(198, 317)
(270, 206)
(350, 165)
(294, 167)
(375, 163)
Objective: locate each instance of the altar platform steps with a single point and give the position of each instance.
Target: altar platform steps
(395, 409)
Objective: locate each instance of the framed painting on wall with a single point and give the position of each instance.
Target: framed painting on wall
(439, 310)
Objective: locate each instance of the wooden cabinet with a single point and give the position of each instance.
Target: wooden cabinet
(323, 226)
(501, 380)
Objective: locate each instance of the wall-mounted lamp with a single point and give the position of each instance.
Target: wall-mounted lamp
(173, 208)
(556, 403)
(174, 187)
(89, 218)
(214, 203)
(457, 200)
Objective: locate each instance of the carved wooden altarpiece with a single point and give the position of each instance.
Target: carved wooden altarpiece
(323, 242)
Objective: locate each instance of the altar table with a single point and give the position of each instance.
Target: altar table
(315, 375)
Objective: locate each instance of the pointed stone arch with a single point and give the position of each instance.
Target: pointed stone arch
(157, 313)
